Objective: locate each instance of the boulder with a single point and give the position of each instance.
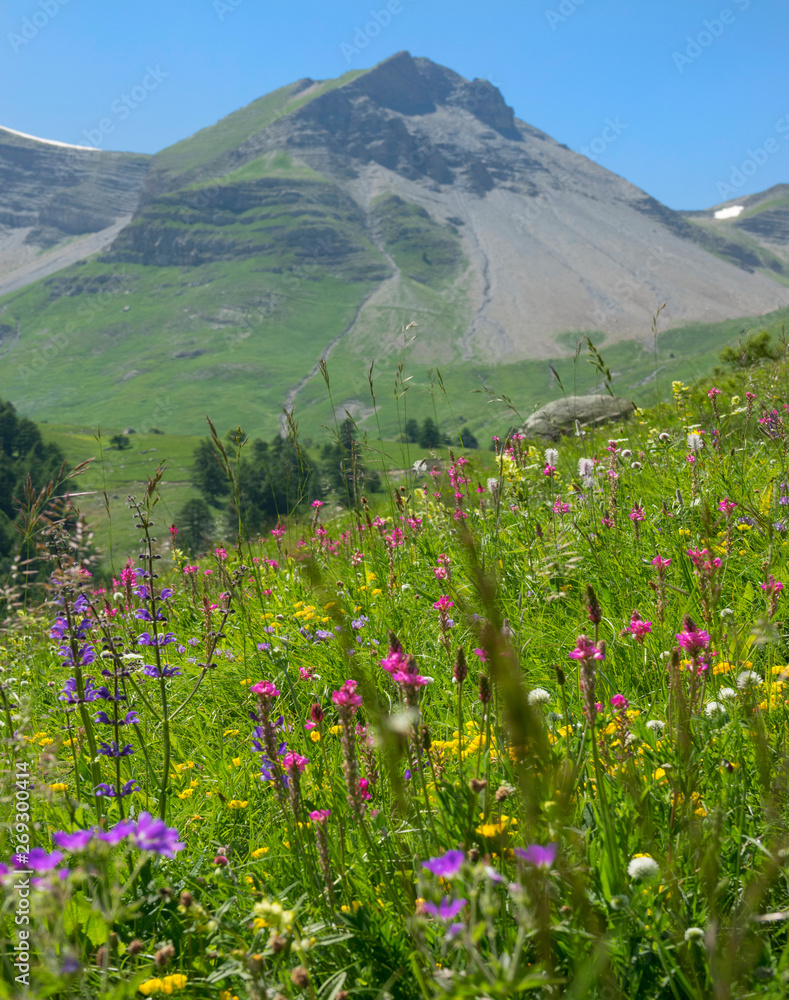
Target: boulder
(560, 416)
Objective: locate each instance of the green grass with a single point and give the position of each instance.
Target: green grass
(661, 818)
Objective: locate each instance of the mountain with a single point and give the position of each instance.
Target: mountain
(758, 223)
(323, 219)
(60, 203)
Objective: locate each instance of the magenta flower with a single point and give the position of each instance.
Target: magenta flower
(772, 586)
(294, 762)
(409, 679)
(637, 513)
(320, 815)
(660, 564)
(619, 702)
(447, 865)
(317, 504)
(585, 649)
(346, 697)
(637, 628)
(443, 603)
(538, 855)
(446, 910)
(726, 506)
(694, 640)
(713, 392)
(265, 689)
(482, 655)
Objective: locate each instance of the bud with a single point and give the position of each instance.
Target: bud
(186, 899)
(426, 740)
(166, 894)
(135, 947)
(316, 713)
(460, 670)
(277, 942)
(484, 688)
(221, 861)
(593, 605)
(102, 955)
(560, 678)
(163, 956)
(300, 977)
(473, 855)
(477, 785)
(503, 792)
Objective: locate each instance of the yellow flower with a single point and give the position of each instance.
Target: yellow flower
(187, 793)
(347, 909)
(238, 804)
(167, 985)
(246, 680)
(315, 736)
(227, 995)
(182, 767)
(237, 761)
(376, 592)
(685, 532)
(259, 852)
(59, 786)
(231, 732)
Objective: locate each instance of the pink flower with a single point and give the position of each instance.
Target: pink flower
(220, 553)
(409, 679)
(606, 521)
(585, 649)
(549, 470)
(726, 506)
(637, 513)
(279, 531)
(317, 504)
(638, 628)
(660, 564)
(294, 762)
(694, 640)
(772, 586)
(619, 702)
(320, 815)
(482, 655)
(713, 392)
(346, 697)
(265, 689)
(443, 603)
(364, 789)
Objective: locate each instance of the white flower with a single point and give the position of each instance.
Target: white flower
(694, 934)
(585, 468)
(493, 485)
(748, 678)
(626, 453)
(643, 867)
(664, 437)
(539, 696)
(635, 465)
(695, 442)
(713, 707)
(656, 724)
(551, 456)
(728, 693)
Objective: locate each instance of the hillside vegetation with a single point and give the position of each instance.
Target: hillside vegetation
(510, 735)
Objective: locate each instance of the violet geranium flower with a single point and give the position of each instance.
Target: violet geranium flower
(538, 855)
(447, 865)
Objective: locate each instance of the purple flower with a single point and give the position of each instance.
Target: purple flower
(104, 790)
(537, 855)
(146, 639)
(152, 835)
(151, 670)
(446, 910)
(76, 841)
(39, 860)
(115, 750)
(118, 832)
(447, 865)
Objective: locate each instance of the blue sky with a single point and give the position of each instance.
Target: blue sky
(692, 101)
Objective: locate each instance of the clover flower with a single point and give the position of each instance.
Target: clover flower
(446, 865)
(642, 866)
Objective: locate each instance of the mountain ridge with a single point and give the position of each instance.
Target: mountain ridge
(328, 215)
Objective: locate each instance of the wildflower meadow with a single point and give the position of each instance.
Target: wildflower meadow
(515, 727)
